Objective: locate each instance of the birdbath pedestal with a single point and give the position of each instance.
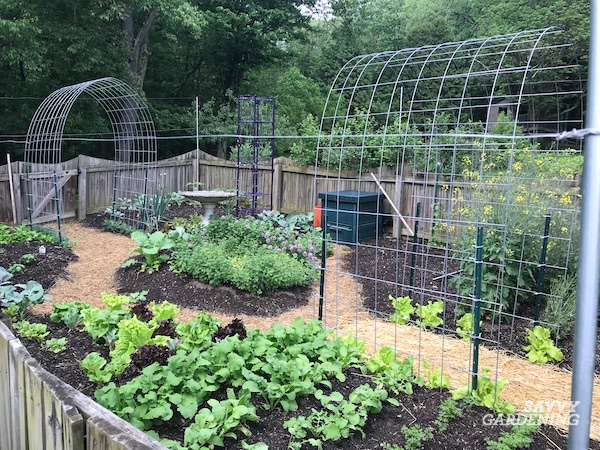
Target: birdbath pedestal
(209, 200)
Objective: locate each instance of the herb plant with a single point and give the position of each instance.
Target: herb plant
(541, 349)
(449, 411)
(519, 437)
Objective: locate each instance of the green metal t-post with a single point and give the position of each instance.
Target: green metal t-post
(323, 262)
(477, 304)
(413, 258)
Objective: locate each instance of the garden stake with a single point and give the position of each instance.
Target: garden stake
(477, 305)
(323, 258)
(438, 168)
(541, 271)
(413, 257)
(57, 209)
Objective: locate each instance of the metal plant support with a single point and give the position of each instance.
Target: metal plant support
(135, 153)
(473, 132)
(255, 153)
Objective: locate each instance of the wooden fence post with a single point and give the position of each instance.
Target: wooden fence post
(195, 175)
(277, 186)
(82, 193)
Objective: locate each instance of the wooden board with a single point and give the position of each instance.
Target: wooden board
(34, 406)
(17, 393)
(5, 410)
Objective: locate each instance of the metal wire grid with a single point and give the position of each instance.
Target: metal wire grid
(134, 139)
(434, 114)
(255, 153)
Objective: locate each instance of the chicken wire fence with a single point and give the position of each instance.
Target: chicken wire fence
(447, 172)
(135, 194)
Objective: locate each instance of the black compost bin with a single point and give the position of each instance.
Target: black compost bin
(352, 216)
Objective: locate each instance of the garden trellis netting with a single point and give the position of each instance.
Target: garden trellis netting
(133, 185)
(467, 145)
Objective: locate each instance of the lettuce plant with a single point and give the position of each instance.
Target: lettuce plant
(404, 309)
(541, 349)
(33, 331)
(429, 314)
(487, 393)
(57, 345)
(464, 326)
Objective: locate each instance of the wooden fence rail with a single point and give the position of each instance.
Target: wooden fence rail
(38, 411)
(89, 187)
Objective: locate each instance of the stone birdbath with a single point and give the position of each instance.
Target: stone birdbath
(209, 200)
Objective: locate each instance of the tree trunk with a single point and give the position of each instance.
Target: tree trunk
(138, 58)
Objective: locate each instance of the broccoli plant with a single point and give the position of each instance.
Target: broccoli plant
(21, 295)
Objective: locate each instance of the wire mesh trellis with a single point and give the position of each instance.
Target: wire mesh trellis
(255, 152)
(134, 196)
(460, 139)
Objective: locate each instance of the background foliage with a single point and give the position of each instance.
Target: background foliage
(175, 50)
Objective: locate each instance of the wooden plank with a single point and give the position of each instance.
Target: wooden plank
(5, 410)
(34, 406)
(73, 428)
(82, 194)
(49, 218)
(16, 378)
(52, 419)
(50, 174)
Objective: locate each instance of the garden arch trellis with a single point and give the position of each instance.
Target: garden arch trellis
(134, 138)
(462, 137)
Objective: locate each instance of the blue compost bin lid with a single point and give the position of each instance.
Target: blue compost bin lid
(350, 196)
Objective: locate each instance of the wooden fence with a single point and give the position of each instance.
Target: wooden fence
(38, 411)
(89, 188)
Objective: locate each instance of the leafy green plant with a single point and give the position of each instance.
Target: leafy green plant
(93, 366)
(12, 311)
(164, 310)
(16, 269)
(21, 295)
(487, 394)
(398, 376)
(101, 324)
(150, 247)
(415, 436)
(521, 436)
(435, 379)
(404, 309)
(28, 258)
(57, 345)
(541, 349)
(464, 326)
(33, 331)
(337, 419)
(449, 411)
(23, 233)
(119, 226)
(68, 313)
(224, 419)
(429, 315)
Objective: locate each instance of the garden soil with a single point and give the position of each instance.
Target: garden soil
(100, 254)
